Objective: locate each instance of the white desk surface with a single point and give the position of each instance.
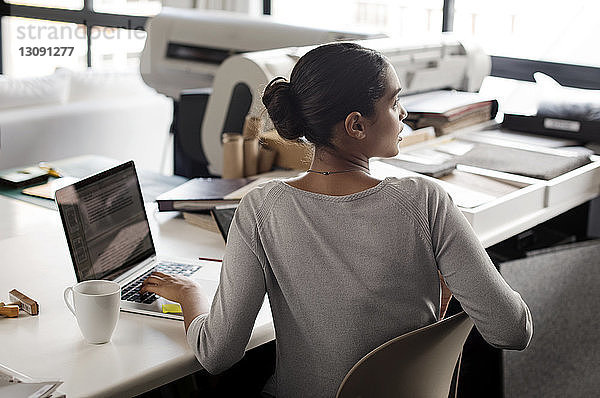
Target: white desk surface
(144, 353)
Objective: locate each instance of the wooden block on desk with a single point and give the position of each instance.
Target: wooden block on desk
(25, 303)
(10, 311)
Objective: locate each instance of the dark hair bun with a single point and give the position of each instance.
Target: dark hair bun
(326, 84)
(282, 109)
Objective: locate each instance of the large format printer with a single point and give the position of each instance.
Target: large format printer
(438, 63)
(186, 47)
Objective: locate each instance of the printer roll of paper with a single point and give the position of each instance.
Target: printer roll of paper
(250, 156)
(253, 126)
(233, 155)
(266, 158)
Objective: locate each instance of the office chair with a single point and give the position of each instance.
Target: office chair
(418, 364)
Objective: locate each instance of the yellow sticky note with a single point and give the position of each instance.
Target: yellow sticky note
(171, 309)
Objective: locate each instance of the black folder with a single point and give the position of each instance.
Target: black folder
(201, 194)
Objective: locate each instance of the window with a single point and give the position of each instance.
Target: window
(393, 17)
(117, 49)
(33, 47)
(63, 4)
(28, 32)
(553, 36)
(545, 30)
(128, 7)
(105, 21)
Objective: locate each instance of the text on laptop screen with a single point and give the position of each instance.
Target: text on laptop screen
(105, 223)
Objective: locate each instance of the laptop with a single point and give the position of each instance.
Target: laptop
(109, 238)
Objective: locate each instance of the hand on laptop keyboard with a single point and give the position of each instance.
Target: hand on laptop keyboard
(132, 291)
(172, 287)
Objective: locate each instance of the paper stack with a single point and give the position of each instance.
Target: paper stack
(16, 385)
(447, 111)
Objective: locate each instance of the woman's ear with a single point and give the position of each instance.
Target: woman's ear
(354, 125)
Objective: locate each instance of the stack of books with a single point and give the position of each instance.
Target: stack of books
(208, 203)
(202, 220)
(448, 111)
(202, 194)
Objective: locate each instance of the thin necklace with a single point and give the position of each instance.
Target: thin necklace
(326, 173)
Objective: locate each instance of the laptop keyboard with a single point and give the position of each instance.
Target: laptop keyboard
(131, 292)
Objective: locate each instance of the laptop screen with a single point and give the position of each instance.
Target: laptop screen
(105, 223)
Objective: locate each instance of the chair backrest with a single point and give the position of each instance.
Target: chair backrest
(417, 364)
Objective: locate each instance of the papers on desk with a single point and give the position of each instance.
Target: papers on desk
(448, 111)
(487, 168)
(17, 385)
(48, 189)
(492, 153)
(424, 156)
(448, 103)
(518, 139)
(542, 163)
(463, 197)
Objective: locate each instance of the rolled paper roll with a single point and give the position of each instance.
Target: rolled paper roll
(233, 155)
(250, 156)
(253, 126)
(266, 158)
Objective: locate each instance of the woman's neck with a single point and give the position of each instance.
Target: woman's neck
(355, 176)
(327, 160)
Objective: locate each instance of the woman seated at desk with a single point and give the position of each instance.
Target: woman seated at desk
(348, 261)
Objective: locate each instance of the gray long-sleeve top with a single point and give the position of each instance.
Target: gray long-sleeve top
(345, 274)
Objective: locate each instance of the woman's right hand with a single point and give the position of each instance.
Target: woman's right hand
(176, 288)
(180, 289)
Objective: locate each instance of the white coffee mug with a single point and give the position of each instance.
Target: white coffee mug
(96, 306)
